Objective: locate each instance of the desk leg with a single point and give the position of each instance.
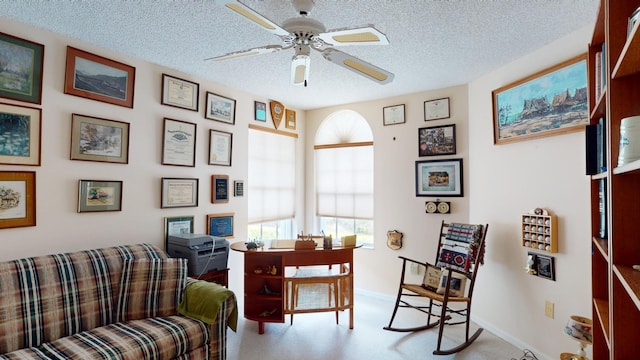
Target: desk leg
(260, 327)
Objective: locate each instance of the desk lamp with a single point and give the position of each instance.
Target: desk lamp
(579, 328)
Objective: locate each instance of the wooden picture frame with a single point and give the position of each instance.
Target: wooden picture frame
(179, 143)
(393, 115)
(290, 119)
(220, 147)
(20, 131)
(180, 93)
(220, 108)
(99, 196)
(95, 77)
(25, 83)
(437, 140)
(220, 225)
(439, 178)
(436, 109)
(550, 102)
(177, 225)
(97, 139)
(18, 190)
(260, 110)
(179, 192)
(219, 189)
(545, 266)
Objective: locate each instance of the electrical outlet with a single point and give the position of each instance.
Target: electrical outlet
(548, 309)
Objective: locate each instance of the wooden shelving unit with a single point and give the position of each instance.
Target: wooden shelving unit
(615, 284)
(540, 232)
(258, 305)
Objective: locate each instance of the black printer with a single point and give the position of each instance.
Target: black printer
(204, 252)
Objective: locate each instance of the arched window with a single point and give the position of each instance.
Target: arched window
(343, 151)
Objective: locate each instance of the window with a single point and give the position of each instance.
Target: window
(344, 176)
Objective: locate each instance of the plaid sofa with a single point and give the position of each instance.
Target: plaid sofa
(113, 303)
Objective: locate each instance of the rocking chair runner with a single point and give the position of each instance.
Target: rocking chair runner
(460, 253)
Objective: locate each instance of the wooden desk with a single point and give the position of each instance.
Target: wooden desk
(265, 287)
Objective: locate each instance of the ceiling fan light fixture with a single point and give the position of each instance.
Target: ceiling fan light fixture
(300, 69)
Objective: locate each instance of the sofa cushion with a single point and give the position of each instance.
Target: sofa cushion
(150, 288)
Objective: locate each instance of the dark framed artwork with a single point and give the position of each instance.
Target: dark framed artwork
(179, 192)
(219, 189)
(98, 78)
(260, 111)
(220, 108)
(21, 63)
(20, 135)
(18, 207)
(220, 225)
(545, 266)
(180, 93)
(437, 140)
(99, 195)
(177, 225)
(179, 143)
(550, 102)
(439, 178)
(96, 139)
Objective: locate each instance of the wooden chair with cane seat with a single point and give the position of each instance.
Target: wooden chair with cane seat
(459, 256)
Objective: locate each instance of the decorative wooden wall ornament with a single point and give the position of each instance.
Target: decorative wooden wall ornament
(277, 112)
(394, 239)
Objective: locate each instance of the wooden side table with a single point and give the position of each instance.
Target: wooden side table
(217, 276)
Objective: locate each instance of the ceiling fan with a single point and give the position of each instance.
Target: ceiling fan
(303, 34)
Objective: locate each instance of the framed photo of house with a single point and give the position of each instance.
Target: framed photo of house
(21, 70)
(220, 225)
(96, 139)
(18, 192)
(99, 195)
(545, 266)
(177, 225)
(392, 115)
(437, 140)
(219, 189)
(220, 144)
(436, 109)
(20, 135)
(220, 108)
(439, 178)
(180, 93)
(290, 119)
(179, 143)
(98, 78)
(550, 102)
(260, 111)
(179, 192)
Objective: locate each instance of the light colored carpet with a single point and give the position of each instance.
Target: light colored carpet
(317, 337)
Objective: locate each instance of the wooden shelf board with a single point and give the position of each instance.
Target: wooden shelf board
(602, 310)
(603, 246)
(629, 60)
(630, 280)
(632, 166)
(601, 105)
(600, 176)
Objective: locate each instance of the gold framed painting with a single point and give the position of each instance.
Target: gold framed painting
(18, 194)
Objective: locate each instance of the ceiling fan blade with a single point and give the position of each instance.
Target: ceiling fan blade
(251, 15)
(366, 35)
(250, 52)
(361, 67)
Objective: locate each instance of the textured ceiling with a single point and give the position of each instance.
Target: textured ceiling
(433, 43)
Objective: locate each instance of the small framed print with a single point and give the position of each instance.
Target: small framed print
(179, 143)
(219, 189)
(99, 195)
(260, 111)
(220, 225)
(20, 129)
(220, 108)
(392, 115)
(439, 178)
(545, 266)
(18, 190)
(220, 144)
(437, 140)
(431, 279)
(21, 71)
(290, 119)
(436, 109)
(96, 139)
(179, 192)
(180, 93)
(177, 225)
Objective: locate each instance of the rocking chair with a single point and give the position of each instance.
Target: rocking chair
(460, 253)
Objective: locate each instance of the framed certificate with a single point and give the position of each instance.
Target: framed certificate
(179, 143)
(180, 93)
(220, 147)
(220, 225)
(436, 109)
(177, 192)
(392, 115)
(219, 189)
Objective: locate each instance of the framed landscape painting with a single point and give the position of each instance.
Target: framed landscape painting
(18, 189)
(21, 69)
(96, 139)
(549, 102)
(20, 135)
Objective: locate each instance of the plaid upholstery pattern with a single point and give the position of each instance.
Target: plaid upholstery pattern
(150, 288)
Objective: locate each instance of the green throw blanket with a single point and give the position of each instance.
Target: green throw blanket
(202, 300)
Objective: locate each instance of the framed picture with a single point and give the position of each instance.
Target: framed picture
(21, 70)
(219, 189)
(260, 110)
(545, 266)
(550, 102)
(437, 140)
(177, 225)
(220, 108)
(98, 78)
(220, 143)
(20, 129)
(18, 191)
(180, 93)
(436, 109)
(392, 115)
(96, 139)
(179, 192)
(220, 225)
(99, 195)
(439, 178)
(179, 143)
(290, 119)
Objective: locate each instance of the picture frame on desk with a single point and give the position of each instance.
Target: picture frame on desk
(25, 84)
